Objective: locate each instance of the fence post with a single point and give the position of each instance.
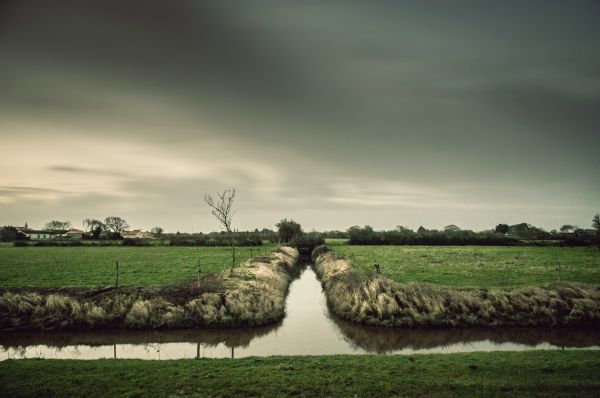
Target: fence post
(117, 275)
(199, 271)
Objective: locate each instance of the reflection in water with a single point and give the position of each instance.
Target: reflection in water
(307, 329)
(386, 340)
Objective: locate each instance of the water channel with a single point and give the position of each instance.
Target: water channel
(307, 329)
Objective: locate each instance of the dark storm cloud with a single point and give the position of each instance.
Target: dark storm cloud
(546, 108)
(194, 50)
(380, 104)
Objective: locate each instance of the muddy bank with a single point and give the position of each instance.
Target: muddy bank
(375, 300)
(253, 295)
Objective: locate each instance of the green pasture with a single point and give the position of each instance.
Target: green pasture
(95, 266)
(478, 266)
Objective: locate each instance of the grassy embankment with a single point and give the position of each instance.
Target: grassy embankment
(477, 266)
(95, 266)
(364, 296)
(519, 374)
(253, 295)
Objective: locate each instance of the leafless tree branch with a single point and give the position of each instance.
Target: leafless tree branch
(223, 212)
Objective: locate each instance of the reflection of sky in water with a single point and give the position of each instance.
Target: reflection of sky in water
(306, 330)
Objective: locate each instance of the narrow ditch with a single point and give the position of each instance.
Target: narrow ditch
(307, 329)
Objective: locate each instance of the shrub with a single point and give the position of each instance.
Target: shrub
(136, 242)
(287, 230)
(306, 242)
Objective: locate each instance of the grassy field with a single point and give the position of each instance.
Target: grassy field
(95, 266)
(331, 242)
(478, 266)
(518, 374)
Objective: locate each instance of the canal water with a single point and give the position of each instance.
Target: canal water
(307, 329)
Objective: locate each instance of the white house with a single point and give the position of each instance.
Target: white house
(44, 234)
(34, 234)
(74, 234)
(136, 234)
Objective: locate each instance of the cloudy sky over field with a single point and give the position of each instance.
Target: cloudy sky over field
(333, 113)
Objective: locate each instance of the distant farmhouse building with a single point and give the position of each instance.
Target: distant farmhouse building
(43, 234)
(75, 234)
(40, 234)
(136, 234)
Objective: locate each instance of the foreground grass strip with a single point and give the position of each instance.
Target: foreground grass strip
(253, 295)
(517, 374)
(376, 300)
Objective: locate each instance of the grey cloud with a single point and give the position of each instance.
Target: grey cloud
(71, 169)
(460, 97)
(17, 190)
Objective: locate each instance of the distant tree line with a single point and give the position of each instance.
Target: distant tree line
(501, 235)
(11, 234)
(405, 236)
(244, 238)
(290, 232)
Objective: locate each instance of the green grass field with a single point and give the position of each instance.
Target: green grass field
(331, 242)
(514, 374)
(478, 266)
(95, 266)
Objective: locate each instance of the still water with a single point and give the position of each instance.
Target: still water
(308, 329)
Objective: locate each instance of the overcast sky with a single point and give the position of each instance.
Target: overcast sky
(333, 113)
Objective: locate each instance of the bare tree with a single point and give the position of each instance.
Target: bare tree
(58, 225)
(116, 224)
(567, 228)
(91, 224)
(452, 228)
(87, 225)
(222, 209)
(157, 232)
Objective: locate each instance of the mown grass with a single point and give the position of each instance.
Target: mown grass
(478, 266)
(95, 266)
(515, 374)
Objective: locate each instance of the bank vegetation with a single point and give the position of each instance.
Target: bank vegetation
(370, 298)
(253, 295)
